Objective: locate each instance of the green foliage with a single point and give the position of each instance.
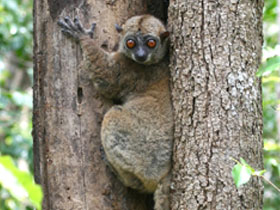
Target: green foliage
(270, 72)
(16, 28)
(19, 183)
(270, 24)
(17, 188)
(241, 173)
(270, 65)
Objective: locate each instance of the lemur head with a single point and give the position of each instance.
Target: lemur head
(144, 39)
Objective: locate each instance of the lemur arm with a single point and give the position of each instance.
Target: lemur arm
(104, 66)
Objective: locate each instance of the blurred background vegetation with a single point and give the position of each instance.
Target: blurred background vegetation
(17, 188)
(270, 72)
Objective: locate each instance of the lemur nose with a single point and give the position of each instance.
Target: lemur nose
(141, 55)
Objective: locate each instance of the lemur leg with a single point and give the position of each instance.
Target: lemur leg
(117, 135)
(161, 195)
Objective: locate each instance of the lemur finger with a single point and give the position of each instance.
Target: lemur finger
(63, 25)
(69, 33)
(79, 25)
(91, 31)
(70, 23)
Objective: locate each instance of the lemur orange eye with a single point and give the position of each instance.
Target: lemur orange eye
(130, 43)
(151, 43)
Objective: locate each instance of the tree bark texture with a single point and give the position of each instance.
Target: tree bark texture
(216, 51)
(67, 115)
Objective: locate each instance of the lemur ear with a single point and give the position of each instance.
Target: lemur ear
(118, 28)
(164, 35)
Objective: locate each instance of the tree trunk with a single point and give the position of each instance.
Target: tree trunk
(216, 51)
(67, 115)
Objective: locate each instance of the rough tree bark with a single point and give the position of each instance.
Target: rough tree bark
(217, 101)
(67, 157)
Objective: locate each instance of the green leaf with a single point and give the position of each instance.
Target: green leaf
(19, 183)
(243, 162)
(241, 174)
(271, 64)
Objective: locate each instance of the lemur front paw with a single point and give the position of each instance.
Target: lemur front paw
(75, 29)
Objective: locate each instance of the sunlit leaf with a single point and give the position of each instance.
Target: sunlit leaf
(271, 64)
(10, 183)
(247, 165)
(241, 174)
(19, 183)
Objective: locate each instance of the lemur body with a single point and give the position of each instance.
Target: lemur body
(137, 134)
